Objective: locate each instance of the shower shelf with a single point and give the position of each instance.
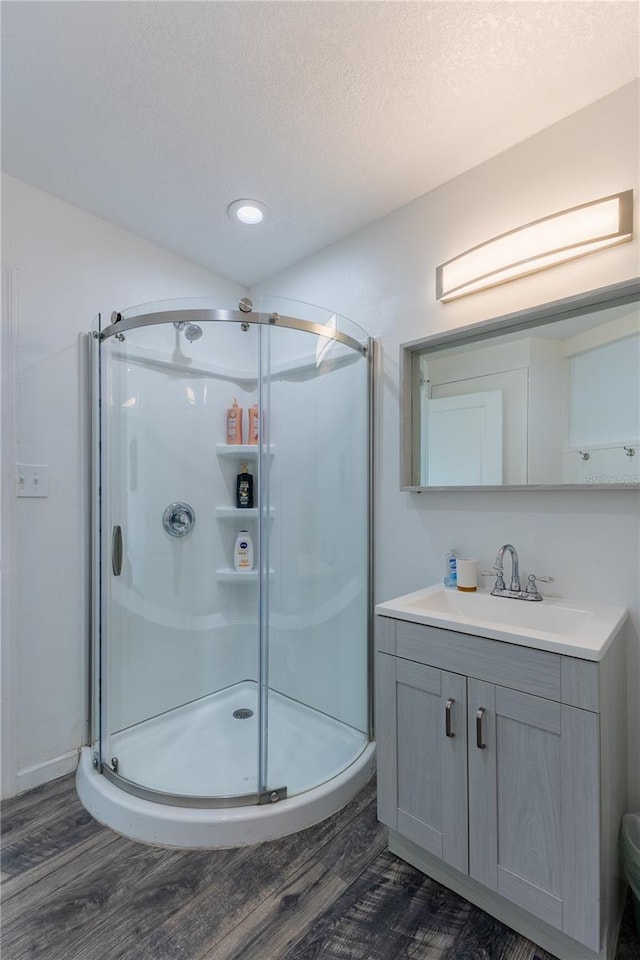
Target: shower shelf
(235, 513)
(240, 450)
(227, 574)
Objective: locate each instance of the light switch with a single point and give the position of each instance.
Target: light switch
(33, 480)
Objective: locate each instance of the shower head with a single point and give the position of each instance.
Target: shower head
(191, 330)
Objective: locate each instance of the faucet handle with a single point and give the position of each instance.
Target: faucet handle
(497, 572)
(531, 586)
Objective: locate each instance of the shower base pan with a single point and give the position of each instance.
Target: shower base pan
(202, 749)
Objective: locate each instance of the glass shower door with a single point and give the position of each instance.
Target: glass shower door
(179, 655)
(314, 663)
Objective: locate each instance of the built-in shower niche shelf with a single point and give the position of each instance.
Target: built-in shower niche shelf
(236, 513)
(244, 451)
(229, 575)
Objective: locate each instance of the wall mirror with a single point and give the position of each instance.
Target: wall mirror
(547, 397)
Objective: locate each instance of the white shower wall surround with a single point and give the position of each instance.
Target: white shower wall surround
(185, 645)
(173, 604)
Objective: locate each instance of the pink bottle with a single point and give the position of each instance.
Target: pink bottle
(234, 423)
(254, 423)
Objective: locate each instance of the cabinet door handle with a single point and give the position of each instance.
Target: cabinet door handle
(116, 550)
(479, 741)
(447, 718)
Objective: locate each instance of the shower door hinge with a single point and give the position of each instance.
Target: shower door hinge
(272, 796)
(114, 764)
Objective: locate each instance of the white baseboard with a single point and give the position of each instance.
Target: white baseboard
(41, 773)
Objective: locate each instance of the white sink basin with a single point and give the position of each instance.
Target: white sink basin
(546, 615)
(578, 629)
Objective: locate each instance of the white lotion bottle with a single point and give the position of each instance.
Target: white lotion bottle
(243, 553)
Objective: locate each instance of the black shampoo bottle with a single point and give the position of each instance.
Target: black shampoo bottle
(244, 488)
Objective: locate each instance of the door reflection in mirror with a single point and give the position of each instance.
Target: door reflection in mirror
(523, 407)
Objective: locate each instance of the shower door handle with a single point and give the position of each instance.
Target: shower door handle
(116, 550)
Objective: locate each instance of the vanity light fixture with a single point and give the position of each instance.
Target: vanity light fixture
(555, 239)
(248, 212)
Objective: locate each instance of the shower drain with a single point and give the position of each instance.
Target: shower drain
(243, 714)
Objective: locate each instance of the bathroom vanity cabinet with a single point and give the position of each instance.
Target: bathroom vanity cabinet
(502, 774)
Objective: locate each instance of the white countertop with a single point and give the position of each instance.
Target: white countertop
(572, 628)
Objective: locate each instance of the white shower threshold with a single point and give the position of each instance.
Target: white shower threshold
(200, 749)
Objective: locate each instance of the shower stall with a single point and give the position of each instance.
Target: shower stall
(229, 706)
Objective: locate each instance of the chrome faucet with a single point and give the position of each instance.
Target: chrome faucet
(515, 570)
(515, 591)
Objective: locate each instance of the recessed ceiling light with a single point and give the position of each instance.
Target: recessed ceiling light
(247, 211)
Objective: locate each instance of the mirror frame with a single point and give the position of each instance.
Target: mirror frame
(627, 291)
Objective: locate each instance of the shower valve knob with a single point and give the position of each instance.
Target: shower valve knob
(178, 519)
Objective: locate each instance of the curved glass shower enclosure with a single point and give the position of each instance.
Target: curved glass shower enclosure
(215, 687)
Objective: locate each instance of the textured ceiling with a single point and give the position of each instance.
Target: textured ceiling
(155, 115)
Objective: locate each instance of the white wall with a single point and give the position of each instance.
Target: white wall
(384, 278)
(71, 266)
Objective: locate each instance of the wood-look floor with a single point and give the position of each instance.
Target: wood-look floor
(74, 890)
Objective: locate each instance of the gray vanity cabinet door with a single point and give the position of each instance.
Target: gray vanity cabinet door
(533, 811)
(423, 788)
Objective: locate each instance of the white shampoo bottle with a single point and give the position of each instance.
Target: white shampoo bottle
(243, 553)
